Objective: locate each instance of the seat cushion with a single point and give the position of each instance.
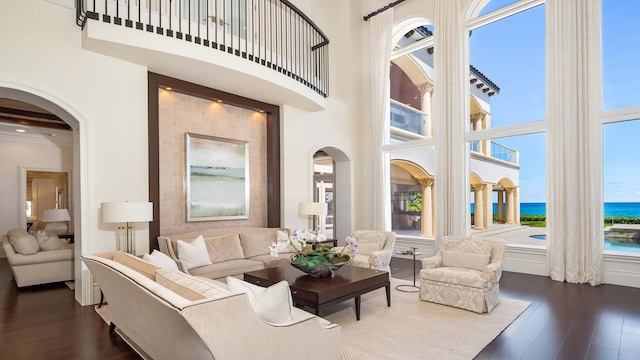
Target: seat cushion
(455, 275)
(361, 260)
(227, 268)
(272, 261)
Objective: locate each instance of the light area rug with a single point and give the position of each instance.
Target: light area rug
(409, 329)
(70, 284)
(416, 329)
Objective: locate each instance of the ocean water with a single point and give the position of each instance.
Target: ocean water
(621, 209)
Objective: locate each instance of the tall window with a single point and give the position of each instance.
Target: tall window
(507, 95)
(621, 105)
(410, 146)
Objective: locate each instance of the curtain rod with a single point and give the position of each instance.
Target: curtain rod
(383, 9)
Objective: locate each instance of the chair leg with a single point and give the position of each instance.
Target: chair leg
(112, 327)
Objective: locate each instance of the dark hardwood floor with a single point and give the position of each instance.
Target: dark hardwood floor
(564, 321)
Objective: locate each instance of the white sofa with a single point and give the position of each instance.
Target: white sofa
(41, 267)
(232, 251)
(166, 325)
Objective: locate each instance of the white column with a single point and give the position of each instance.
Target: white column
(510, 205)
(426, 89)
(488, 206)
(426, 216)
(451, 100)
(486, 144)
(478, 206)
(476, 119)
(501, 206)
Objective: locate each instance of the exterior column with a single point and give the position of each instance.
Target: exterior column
(488, 206)
(426, 89)
(476, 120)
(510, 206)
(426, 216)
(486, 144)
(478, 206)
(501, 206)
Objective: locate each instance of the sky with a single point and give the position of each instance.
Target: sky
(511, 52)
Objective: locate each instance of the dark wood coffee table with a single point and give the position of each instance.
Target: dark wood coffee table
(318, 293)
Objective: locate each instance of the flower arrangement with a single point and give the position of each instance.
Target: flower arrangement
(308, 255)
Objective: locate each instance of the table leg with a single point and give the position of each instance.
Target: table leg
(387, 288)
(101, 299)
(357, 307)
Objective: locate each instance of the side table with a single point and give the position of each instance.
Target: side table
(410, 288)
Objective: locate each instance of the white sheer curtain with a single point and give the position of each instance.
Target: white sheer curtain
(451, 100)
(574, 142)
(380, 46)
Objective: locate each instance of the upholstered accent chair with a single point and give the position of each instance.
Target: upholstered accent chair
(375, 249)
(465, 273)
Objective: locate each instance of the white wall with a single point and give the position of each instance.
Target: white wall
(26, 151)
(109, 96)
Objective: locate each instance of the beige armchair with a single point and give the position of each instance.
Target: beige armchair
(375, 249)
(465, 273)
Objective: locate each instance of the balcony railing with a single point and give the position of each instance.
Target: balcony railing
(502, 152)
(407, 118)
(272, 33)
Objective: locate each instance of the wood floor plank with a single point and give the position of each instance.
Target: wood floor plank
(629, 347)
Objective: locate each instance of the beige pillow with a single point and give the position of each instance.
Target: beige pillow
(223, 248)
(132, 262)
(272, 304)
(254, 244)
(187, 286)
(367, 248)
(23, 242)
(49, 242)
(465, 260)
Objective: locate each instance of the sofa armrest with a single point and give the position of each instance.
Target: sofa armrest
(40, 257)
(381, 257)
(492, 272)
(182, 266)
(432, 262)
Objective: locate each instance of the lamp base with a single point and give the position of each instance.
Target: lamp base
(126, 238)
(57, 228)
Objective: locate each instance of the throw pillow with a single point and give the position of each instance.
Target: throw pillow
(368, 248)
(160, 259)
(272, 304)
(48, 241)
(193, 254)
(134, 263)
(465, 260)
(257, 243)
(23, 242)
(226, 247)
(187, 286)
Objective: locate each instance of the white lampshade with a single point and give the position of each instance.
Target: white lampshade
(312, 208)
(117, 212)
(55, 215)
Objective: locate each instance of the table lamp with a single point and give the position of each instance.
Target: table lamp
(313, 209)
(126, 213)
(56, 219)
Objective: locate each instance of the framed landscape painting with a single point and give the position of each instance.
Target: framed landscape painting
(217, 178)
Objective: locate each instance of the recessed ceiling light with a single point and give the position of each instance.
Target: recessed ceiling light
(21, 130)
(168, 88)
(260, 110)
(219, 100)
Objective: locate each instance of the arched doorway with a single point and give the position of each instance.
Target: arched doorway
(18, 92)
(337, 187)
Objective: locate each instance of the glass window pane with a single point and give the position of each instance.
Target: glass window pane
(508, 188)
(621, 187)
(620, 44)
(510, 53)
